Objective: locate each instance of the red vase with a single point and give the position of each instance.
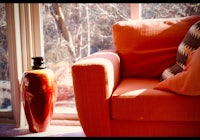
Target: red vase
(38, 89)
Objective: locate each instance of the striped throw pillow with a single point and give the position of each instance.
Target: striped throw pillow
(190, 42)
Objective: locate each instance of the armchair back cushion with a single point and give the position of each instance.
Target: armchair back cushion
(146, 48)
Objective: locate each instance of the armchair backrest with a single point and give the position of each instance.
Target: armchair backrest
(146, 47)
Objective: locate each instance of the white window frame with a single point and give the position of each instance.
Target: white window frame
(24, 39)
(136, 10)
(14, 59)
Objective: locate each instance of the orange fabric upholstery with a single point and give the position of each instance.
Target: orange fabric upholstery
(120, 128)
(140, 43)
(186, 82)
(136, 99)
(112, 102)
(101, 71)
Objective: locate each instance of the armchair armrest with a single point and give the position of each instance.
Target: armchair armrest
(94, 79)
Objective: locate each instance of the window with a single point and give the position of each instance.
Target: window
(25, 37)
(169, 10)
(73, 31)
(33, 30)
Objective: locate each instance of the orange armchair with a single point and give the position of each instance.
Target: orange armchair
(114, 89)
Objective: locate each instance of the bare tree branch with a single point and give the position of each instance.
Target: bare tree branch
(60, 20)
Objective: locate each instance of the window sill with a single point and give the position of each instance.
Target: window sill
(9, 130)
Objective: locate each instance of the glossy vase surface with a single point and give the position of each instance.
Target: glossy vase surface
(38, 89)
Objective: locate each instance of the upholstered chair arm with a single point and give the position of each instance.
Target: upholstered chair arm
(94, 79)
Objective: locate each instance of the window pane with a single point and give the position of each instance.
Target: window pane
(82, 30)
(169, 10)
(5, 95)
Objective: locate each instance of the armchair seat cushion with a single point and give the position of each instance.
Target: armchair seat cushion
(135, 99)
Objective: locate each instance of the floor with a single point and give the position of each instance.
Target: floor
(9, 130)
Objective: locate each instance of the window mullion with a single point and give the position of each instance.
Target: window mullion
(135, 11)
(37, 30)
(32, 41)
(14, 60)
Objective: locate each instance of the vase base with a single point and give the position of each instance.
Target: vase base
(37, 130)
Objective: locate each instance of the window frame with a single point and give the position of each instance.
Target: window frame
(25, 40)
(14, 59)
